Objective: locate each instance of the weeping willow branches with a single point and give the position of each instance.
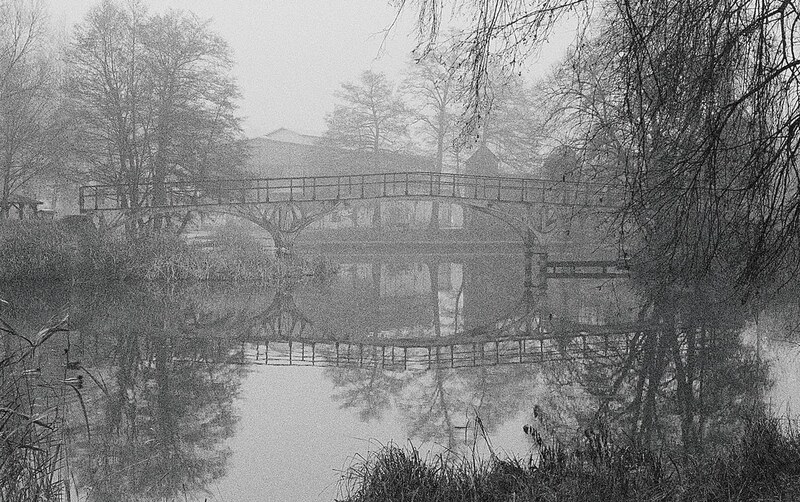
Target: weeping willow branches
(693, 105)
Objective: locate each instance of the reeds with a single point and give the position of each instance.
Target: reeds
(764, 464)
(35, 250)
(31, 419)
(32, 250)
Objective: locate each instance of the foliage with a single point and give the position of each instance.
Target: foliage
(35, 250)
(46, 250)
(166, 257)
(763, 464)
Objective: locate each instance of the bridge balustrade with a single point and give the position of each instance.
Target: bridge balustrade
(184, 194)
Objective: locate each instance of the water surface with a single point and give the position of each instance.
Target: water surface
(248, 392)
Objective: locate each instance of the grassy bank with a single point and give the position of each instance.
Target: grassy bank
(763, 464)
(52, 251)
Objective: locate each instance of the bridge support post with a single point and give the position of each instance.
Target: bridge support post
(539, 268)
(530, 240)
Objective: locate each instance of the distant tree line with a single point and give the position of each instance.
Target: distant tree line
(422, 114)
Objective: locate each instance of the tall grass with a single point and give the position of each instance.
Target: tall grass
(36, 250)
(764, 464)
(50, 251)
(31, 418)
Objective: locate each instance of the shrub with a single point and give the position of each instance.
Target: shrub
(35, 250)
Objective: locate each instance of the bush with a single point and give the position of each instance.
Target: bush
(47, 251)
(35, 250)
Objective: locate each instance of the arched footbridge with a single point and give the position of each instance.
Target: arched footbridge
(285, 206)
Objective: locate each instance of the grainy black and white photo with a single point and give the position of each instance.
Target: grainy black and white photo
(399, 250)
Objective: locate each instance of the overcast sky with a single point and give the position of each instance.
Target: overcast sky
(292, 55)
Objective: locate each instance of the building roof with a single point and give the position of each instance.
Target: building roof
(289, 136)
(482, 162)
(284, 153)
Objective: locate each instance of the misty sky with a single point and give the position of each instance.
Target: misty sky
(292, 55)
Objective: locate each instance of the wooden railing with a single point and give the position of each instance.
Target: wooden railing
(180, 194)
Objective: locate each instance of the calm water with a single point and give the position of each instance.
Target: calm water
(241, 392)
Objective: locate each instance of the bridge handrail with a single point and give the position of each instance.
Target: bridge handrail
(336, 176)
(211, 191)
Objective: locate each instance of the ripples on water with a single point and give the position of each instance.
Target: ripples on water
(233, 392)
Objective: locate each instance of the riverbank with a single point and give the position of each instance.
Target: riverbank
(763, 463)
(52, 251)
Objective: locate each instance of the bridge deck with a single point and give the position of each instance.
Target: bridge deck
(205, 193)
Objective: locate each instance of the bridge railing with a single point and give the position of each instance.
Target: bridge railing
(177, 194)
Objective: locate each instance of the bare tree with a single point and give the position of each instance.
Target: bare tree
(154, 98)
(702, 113)
(192, 94)
(432, 92)
(110, 96)
(32, 132)
(514, 128)
(372, 118)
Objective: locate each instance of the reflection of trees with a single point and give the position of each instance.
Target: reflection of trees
(682, 377)
(161, 411)
(436, 403)
(370, 390)
(685, 380)
(446, 399)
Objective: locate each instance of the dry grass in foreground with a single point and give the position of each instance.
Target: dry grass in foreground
(764, 465)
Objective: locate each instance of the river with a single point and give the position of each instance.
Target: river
(232, 392)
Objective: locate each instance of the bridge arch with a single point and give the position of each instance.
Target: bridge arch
(286, 206)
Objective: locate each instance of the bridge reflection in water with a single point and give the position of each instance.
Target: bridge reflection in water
(481, 311)
(413, 354)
